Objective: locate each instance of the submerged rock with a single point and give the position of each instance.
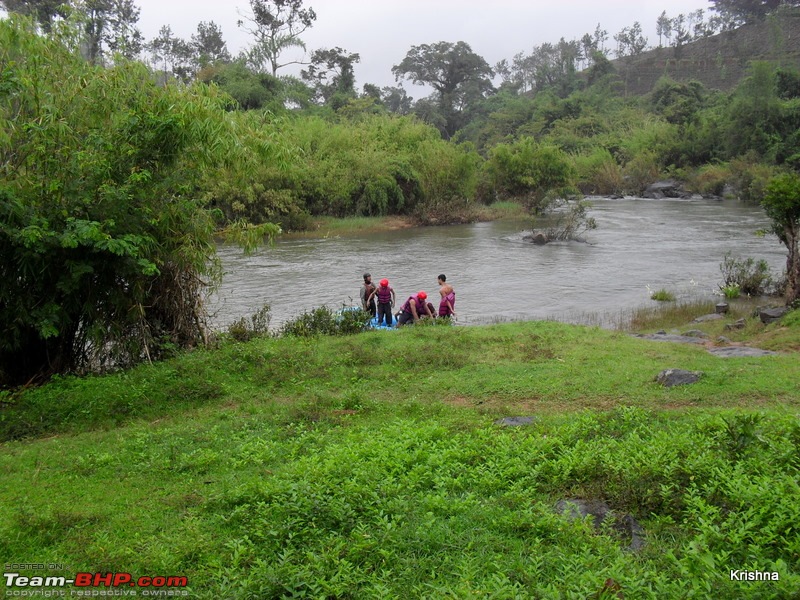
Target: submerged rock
(537, 238)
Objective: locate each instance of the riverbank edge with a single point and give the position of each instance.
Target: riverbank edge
(325, 227)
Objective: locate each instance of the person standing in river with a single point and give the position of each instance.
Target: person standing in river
(367, 295)
(448, 301)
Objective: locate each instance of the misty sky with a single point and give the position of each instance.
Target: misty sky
(382, 31)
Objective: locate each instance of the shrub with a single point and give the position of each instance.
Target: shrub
(325, 321)
(710, 180)
(599, 173)
(258, 325)
(749, 276)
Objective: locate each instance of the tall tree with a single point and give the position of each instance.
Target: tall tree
(208, 45)
(630, 41)
(122, 36)
(331, 73)
(172, 55)
(276, 26)
(458, 75)
(663, 28)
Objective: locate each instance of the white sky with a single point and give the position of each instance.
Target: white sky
(382, 31)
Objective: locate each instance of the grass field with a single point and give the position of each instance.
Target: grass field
(372, 466)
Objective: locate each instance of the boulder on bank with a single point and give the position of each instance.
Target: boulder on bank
(665, 189)
(672, 377)
(770, 315)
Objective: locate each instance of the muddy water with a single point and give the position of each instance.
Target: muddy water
(639, 245)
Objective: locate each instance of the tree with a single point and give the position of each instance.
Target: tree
(109, 25)
(44, 11)
(630, 41)
(663, 28)
(276, 26)
(459, 76)
(396, 100)
(741, 12)
(782, 204)
(331, 73)
(173, 56)
(208, 46)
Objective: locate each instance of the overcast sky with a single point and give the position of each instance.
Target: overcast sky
(382, 31)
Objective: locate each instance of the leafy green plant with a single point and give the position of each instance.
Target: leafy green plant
(741, 433)
(663, 295)
(731, 292)
(244, 330)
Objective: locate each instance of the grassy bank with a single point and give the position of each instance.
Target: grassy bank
(371, 467)
(335, 227)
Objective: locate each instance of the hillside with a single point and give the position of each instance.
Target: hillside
(720, 61)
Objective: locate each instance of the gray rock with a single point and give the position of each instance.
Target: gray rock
(770, 315)
(721, 308)
(673, 377)
(737, 324)
(663, 189)
(668, 337)
(695, 333)
(740, 351)
(723, 340)
(602, 517)
(537, 238)
(707, 318)
(514, 421)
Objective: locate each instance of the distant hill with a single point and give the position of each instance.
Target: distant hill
(720, 61)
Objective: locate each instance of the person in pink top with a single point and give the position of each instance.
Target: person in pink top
(386, 300)
(448, 302)
(414, 308)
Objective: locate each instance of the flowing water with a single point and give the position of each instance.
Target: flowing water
(639, 245)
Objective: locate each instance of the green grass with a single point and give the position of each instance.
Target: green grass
(663, 295)
(337, 468)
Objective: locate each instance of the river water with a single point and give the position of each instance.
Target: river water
(639, 245)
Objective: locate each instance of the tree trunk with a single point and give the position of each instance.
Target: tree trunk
(792, 265)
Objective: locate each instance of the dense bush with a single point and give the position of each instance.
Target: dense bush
(747, 275)
(105, 252)
(324, 321)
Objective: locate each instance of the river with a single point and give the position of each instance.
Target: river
(639, 245)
